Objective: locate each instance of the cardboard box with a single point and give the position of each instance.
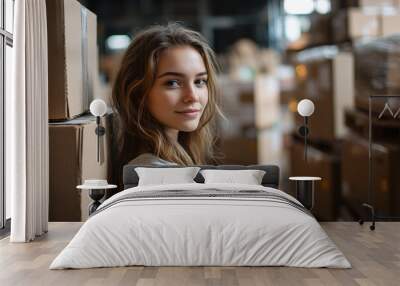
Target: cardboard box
(339, 4)
(362, 24)
(73, 158)
(237, 104)
(390, 24)
(355, 23)
(377, 72)
(378, 3)
(328, 81)
(72, 50)
(92, 86)
(321, 163)
(385, 183)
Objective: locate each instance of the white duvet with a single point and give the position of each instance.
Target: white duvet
(185, 231)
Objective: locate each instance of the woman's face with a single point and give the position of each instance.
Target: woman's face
(179, 94)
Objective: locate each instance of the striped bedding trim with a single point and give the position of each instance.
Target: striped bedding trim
(206, 194)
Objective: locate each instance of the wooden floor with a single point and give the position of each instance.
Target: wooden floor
(375, 257)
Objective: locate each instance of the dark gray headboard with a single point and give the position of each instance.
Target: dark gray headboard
(270, 179)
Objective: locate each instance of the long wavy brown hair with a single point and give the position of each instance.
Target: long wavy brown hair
(139, 131)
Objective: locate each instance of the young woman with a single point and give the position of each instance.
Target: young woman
(165, 98)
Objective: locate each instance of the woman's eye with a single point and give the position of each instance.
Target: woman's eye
(201, 82)
(172, 83)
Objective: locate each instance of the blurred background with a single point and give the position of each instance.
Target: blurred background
(273, 54)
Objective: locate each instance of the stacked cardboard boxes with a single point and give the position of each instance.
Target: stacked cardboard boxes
(376, 74)
(249, 99)
(249, 107)
(349, 21)
(366, 19)
(237, 130)
(325, 76)
(385, 183)
(370, 4)
(73, 81)
(363, 62)
(73, 159)
(73, 62)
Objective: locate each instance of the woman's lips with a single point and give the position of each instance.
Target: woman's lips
(192, 113)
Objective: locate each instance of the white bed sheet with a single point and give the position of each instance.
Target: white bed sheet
(200, 231)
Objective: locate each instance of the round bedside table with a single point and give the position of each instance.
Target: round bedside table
(96, 192)
(305, 190)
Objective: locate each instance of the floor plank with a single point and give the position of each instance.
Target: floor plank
(375, 257)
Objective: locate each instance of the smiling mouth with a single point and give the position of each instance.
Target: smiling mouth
(189, 112)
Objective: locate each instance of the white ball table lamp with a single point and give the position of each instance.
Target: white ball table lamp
(98, 108)
(305, 108)
(97, 188)
(305, 184)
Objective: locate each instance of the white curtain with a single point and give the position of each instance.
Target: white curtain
(27, 124)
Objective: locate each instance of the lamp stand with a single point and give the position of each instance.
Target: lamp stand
(100, 131)
(303, 131)
(305, 137)
(96, 195)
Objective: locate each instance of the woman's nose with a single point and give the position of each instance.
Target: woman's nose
(190, 94)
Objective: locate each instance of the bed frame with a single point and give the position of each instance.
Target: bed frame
(270, 179)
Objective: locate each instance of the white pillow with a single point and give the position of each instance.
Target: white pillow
(248, 177)
(162, 176)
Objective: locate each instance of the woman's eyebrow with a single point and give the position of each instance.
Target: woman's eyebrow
(179, 74)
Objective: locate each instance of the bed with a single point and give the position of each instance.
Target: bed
(201, 224)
